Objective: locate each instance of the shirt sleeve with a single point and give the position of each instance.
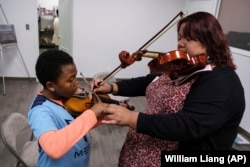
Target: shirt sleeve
(57, 142)
(134, 86)
(210, 105)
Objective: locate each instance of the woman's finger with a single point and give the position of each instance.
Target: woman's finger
(110, 122)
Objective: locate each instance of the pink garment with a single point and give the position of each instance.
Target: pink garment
(163, 97)
(58, 142)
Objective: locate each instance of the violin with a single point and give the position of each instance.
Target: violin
(84, 100)
(176, 62)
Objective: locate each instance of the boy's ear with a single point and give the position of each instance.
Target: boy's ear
(50, 86)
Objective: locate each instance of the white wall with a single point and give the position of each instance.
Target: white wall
(48, 4)
(102, 29)
(242, 60)
(94, 32)
(211, 6)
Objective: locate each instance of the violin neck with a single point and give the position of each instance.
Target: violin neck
(151, 54)
(107, 100)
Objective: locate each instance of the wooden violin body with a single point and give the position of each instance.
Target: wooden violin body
(176, 62)
(79, 103)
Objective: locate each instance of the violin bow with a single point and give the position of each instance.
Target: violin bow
(90, 95)
(144, 46)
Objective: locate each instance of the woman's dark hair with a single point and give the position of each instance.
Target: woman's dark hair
(49, 63)
(204, 27)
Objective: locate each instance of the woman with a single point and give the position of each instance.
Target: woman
(213, 107)
(202, 111)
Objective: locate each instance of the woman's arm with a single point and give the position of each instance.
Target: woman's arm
(129, 87)
(134, 86)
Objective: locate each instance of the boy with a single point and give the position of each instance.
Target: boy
(63, 140)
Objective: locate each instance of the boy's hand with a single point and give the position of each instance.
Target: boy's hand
(98, 108)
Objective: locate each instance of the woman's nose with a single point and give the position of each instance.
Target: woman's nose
(180, 44)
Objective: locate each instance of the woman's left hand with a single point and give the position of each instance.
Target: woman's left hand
(119, 115)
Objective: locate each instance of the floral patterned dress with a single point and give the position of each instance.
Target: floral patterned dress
(163, 97)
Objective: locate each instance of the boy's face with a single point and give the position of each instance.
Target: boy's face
(67, 83)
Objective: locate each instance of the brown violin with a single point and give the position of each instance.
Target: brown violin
(176, 62)
(79, 103)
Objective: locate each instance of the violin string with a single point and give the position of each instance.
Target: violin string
(87, 82)
(108, 77)
(84, 79)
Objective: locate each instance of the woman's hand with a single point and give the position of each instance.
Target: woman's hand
(120, 115)
(105, 87)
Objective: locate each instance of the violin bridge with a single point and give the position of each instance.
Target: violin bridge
(90, 96)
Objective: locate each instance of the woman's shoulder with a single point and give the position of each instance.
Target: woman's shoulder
(219, 75)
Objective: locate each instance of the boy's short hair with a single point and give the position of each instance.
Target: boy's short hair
(49, 63)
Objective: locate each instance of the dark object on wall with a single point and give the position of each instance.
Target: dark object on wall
(7, 34)
(239, 40)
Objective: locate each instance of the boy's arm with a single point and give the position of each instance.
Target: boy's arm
(57, 143)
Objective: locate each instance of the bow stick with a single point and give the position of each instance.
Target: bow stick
(143, 47)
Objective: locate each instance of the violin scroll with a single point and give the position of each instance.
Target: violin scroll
(126, 59)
